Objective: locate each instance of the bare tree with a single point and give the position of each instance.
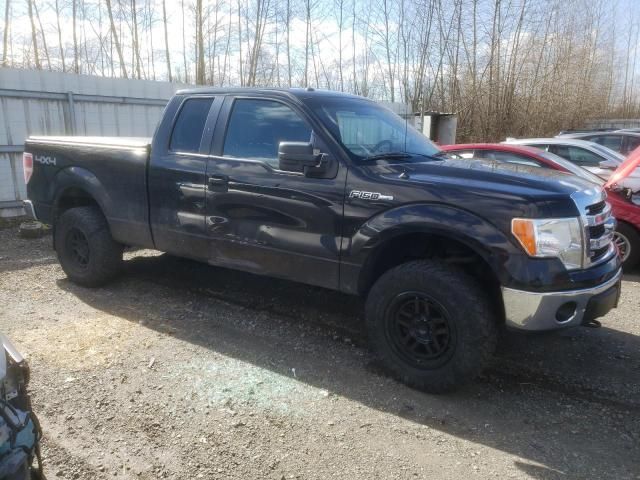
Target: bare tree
(76, 53)
(60, 46)
(5, 39)
(166, 39)
(114, 34)
(200, 65)
(34, 36)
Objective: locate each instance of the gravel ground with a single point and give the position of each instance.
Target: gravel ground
(183, 371)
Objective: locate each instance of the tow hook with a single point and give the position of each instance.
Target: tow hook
(593, 324)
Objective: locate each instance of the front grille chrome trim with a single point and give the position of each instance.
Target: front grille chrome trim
(585, 200)
(598, 219)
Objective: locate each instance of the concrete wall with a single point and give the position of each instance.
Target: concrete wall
(52, 103)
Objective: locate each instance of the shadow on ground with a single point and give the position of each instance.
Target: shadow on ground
(530, 404)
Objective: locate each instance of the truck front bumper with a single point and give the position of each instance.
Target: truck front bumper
(537, 311)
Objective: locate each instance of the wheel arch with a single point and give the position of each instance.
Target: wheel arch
(433, 232)
(78, 187)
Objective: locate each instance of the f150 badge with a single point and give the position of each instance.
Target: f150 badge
(369, 195)
(45, 160)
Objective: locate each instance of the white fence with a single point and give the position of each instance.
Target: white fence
(52, 103)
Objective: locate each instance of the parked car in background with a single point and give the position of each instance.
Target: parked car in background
(19, 428)
(633, 130)
(626, 212)
(594, 157)
(623, 142)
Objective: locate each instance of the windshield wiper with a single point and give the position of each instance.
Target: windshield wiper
(399, 155)
(380, 156)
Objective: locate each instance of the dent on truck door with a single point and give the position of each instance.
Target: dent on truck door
(177, 178)
(263, 220)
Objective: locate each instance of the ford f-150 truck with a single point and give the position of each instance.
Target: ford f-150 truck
(336, 191)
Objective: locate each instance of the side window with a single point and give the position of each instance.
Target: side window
(256, 128)
(614, 142)
(577, 155)
(632, 144)
(189, 126)
(513, 158)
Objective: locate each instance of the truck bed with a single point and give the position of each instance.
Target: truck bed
(110, 170)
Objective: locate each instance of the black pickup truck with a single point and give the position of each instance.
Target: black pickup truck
(336, 191)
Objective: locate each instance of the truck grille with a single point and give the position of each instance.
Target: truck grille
(599, 226)
(596, 208)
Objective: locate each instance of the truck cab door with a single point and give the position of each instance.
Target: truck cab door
(262, 219)
(177, 175)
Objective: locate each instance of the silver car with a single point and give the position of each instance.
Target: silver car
(589, 155)
(623, 142)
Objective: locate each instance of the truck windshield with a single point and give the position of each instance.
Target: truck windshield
(369, 131)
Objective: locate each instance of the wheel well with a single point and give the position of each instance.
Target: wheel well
(418, 246)
(71, 198)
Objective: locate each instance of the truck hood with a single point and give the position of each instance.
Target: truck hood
(479, 174)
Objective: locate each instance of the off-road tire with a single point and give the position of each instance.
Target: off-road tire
(633, 238)
(87, 253)
(446, 289)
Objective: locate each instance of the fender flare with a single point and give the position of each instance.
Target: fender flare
(482, 237)
(85, 180)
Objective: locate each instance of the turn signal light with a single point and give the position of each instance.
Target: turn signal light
(524, 231)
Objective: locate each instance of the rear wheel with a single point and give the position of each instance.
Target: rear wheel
(86, 251)
(627, 240)
(430, 325)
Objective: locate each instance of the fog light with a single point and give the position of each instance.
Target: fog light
(566, 312)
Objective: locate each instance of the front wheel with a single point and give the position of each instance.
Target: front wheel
(87, 253)
(430, 325)
(627, 240)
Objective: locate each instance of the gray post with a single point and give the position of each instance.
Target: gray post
(72, 112)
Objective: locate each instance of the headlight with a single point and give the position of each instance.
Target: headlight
(552, 237)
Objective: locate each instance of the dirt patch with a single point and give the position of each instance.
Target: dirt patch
(179, 370)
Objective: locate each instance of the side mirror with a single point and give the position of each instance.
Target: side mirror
(608, 165)
(300, 157)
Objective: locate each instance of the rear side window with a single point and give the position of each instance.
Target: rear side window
(614, 142)
(256, 128)
(577, 155)
(187, 131)
(632, 144)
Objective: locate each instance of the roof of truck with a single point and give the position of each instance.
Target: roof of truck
(296, 92)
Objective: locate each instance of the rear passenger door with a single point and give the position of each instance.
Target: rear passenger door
(177, 176)
(262, 219)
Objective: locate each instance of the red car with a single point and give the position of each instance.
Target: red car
(624, 209)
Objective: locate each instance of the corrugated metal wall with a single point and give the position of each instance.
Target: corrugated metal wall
(52, 103)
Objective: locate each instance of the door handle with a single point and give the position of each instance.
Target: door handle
(218, 183)
(217, 180)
